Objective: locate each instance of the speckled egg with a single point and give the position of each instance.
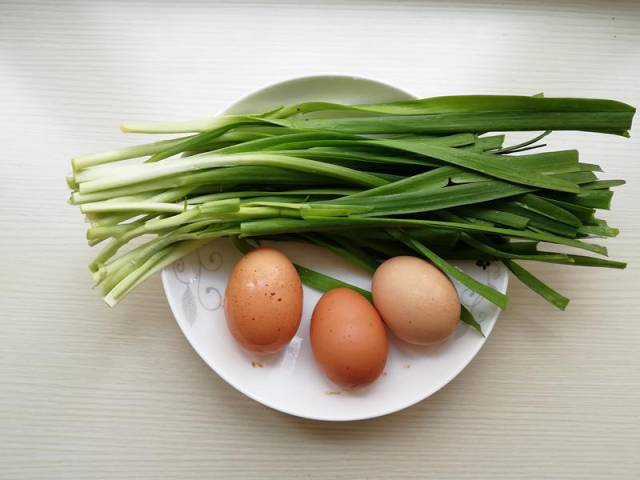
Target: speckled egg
(263, 301)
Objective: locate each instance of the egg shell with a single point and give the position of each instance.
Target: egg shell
(348, 338)
(416, 300)
(263, 301)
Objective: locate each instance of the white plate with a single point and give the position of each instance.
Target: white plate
(291, 381)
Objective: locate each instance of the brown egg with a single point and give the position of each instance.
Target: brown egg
(348, 338)
(416, 300)
(263, 301)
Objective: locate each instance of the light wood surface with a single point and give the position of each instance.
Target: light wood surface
(89, 392)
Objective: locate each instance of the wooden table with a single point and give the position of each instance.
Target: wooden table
(90, 392)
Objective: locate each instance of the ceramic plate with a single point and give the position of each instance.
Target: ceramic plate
(291, 381)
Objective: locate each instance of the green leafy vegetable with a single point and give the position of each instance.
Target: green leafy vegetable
(535, 284)
(421, 177)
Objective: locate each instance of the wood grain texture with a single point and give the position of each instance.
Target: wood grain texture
(89, 392)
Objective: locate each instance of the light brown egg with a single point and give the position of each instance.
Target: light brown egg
(348, 338)
(263, 301)
(416, 300)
